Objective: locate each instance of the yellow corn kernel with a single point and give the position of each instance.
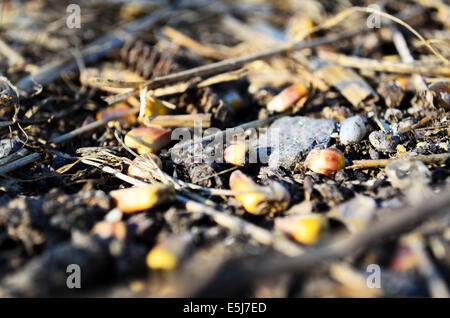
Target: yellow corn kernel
(155, 107)
(256, 199)
(401, 150)
(300, 26)
(160, 259)
(170, 250)
(305, 229)
(420, 144)
(137, 199)
(404, 82)
(235, 154)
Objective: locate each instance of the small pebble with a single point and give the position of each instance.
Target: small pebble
(8, 146)
(353, 130)
(374, 155)
(356, 214)
(58, 161)
(383, 141)
(392, 92)
(393, 115)
(405, 123)
(41, 184)
(404, 173)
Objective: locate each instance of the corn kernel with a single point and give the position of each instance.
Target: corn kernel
(300, 26)
(155, 107)
(115, 109)
(147, 139)
(161, 259)
(305, 229)
(401, 150)
(287, 98)
(170, 250)
(142, 198)
(404, 259)
(256, 199)
(235, 154)
(404, 82)
(325, 161)
(420, 144)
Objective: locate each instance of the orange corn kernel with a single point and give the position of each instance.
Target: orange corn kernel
(115, 109)
(147, 139)
(287, 98)
(325, 161)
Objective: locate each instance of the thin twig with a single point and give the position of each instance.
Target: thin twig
(14, 156)
(19, 163)
(183, 40)
(92, 126)
(436, 284)
(115, 173)
(378, 163)
(383, 66)
(405, 54)
(76, 132)
(229, 64)
(342, 16)
(416, 125)
(189, 120)
(14, 58)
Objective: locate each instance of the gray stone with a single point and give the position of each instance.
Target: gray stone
(404, 173)
(383, 141)
(8, 146)
(356, 214)
(393, 115)
(289, 139)
(353, 130)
